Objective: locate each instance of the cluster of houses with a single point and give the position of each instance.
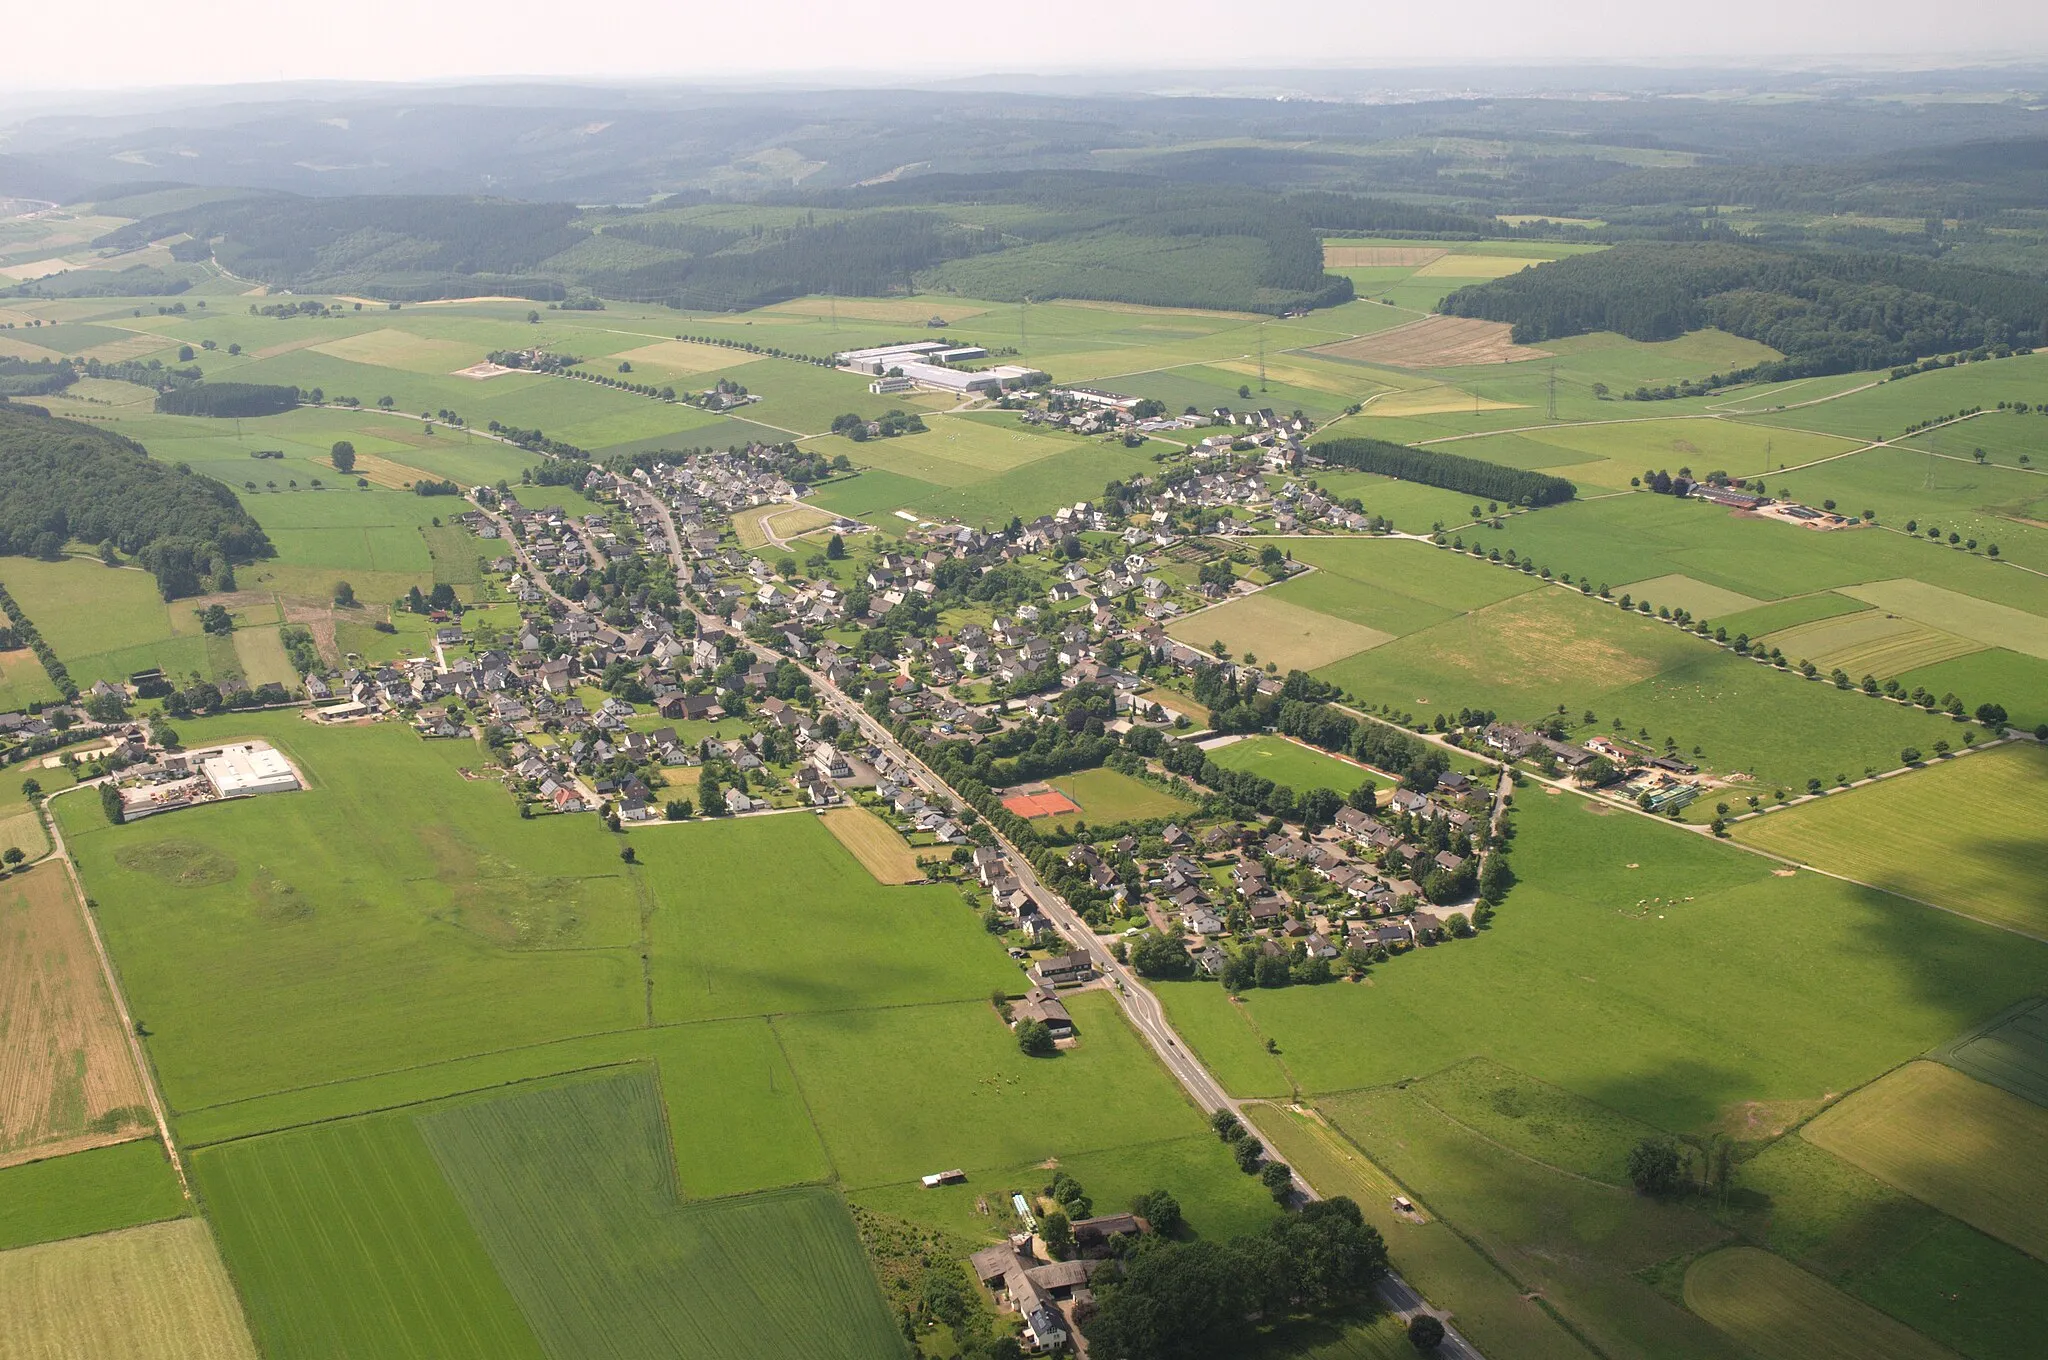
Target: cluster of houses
(1052, 1297)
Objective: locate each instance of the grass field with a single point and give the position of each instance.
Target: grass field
(1967, 1148)
(1673, 961)
(873, 842)
(571, 1191)
(23, 681)
(1776, 1311)
(770, 914)
(1996, 675)
(1288, 762)
(67, 1080)
(1961, 833)
(1697, 597)
(1266, 627)
(1785, 614)
(1984, 622)
(1873, 642)
(1106, 797)
(392, 914)
(88, 1192)
(154, 1293)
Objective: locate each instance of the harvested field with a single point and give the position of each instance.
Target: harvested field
(1869, 643)
(684, 357)
(1380, 257)
(1679, 591)
(154, 1293)
(1272, 629)
(911, 309)
(1039, 801)
(1776, 1311)
(1436, 342)
(1973, 1151)
(1473, 267)
(67, 1080)
(1981, 621)
(1434, 401)
(873, 842)
(392, 348)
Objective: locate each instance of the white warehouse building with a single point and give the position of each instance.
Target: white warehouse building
(237, 770)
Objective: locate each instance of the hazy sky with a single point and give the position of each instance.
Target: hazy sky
(133, 43)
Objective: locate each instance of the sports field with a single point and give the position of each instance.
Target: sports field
(1299, 767)
(872, 841)
(1961, 833)
(154, 1293)
(1967, 1148)
(67, 1079)
(1776, 1311)
(1104, 797)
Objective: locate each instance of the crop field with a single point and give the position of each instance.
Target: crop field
(400, 349)
(770, 914)
(84, 1193)
(1967, 1148)
(999, 1108)
(154, 1293)
(1291, 763)
(388, 916)
(683, 358)
(1873, 642)
(346, 1240)
(872, 841)
(1776, 1311)
(20, 826)
(1983, 621)
(1437, 342)
(67, 1081)
(91, 615)
(2011, 1052)
(1106, 796)
(1672, 959)
(1884, 411)
(1265, 627)
(570, 1188)
(1961, 833)
(1784, 614)
(1697, 597)
(23, 681)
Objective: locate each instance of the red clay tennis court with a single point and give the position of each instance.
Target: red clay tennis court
(1047, 804)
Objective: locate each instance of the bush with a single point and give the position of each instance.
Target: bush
(1653, 1166)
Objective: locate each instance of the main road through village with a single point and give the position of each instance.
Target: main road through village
(1140, 1006)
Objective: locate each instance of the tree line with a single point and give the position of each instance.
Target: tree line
(1454, 472)
(227, 400)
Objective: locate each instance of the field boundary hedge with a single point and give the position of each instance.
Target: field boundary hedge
(1451, 471)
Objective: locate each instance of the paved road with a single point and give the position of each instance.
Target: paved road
(1140, 1005)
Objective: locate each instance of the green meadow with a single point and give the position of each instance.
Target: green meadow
(1299, 767)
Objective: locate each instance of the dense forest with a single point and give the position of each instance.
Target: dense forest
(1827, 312)
(1454, 472)
(63, 482)
(34, 377)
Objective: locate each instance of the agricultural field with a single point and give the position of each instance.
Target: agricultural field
(84, 1193)
(1960, 833)
(876, 844)
(154, 1293)
(67, 1079)
(1265, 627)
(1776, 1311)
(1967, 1148)
(2011, 1052)
(1291, 763)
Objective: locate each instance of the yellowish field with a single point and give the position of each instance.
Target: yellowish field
(1962, 833)
(1431, 401)
(23, 830)
(1682, 592)
(1436, 342)
(154, 1293)
(1776, 1311)
(402, 350)
(65, 1062)
(1973, 1151)
(873, 842)
(1266, 628)
(260, 651)
(1981, 621)
(1340, 382)
(1870, 643)
(1474, 267)
(1380, 257)
(14, 347)
(686, 357)
(785, 521)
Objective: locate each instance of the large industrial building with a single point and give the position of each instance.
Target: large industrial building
(237, 770)
(924, 364)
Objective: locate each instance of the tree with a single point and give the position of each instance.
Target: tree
(343, 455)
(1992, 716)
(626, 853)
(1653, 1166)
(1425, 1333)
(835, 548)
(344, 594)
(1034, 1039)
(1279, 1180)
(1157, 955)
(110, 803)
(30, 788)
(14, 856)
(1057, 1232)
(1160, 1210)
(1248, 1153)
(1227, 1125)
